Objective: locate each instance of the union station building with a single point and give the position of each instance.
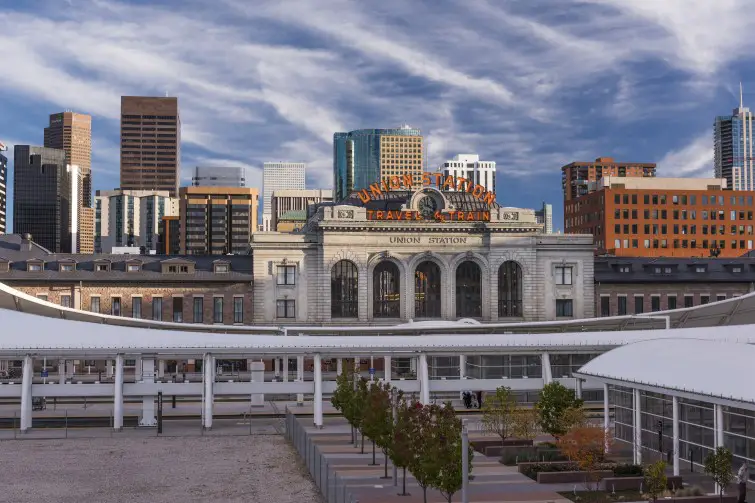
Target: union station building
(425, 254)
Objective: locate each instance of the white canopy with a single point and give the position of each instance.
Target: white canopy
(711, 367)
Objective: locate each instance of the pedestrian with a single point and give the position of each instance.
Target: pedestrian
(479, 399)
(742, 476)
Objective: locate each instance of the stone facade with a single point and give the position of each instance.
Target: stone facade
(347, 232)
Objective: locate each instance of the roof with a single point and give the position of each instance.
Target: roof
(44, 335)
(704, 366)
(151, 266)
(682, 270)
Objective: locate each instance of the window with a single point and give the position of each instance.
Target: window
(136, 307)
(221, 268)
(285, 308)
(655, 303)
(101, 267)
(689, 301)
(34, 267)
(736, 269)
(704, 299)
(286, 274)
(115, 306)
(564, 307)
(563, 275)
(622, 305)
(344, 290)
(605, 306)
(198, 310)
(65, 300)
(639, 304)
(238, 309)
(66, 267)
(671, 302)
(699, 268)
(133, 268)
(510, 289)
(157, 308)
(42, 296)
(178, 309)
(720, 297)
(625, 268)
(217, 310)
(94, 305)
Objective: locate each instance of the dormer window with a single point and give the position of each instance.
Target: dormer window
(4, 265)
(67, 267)
(102, 266)
(133, 266)
(625, 268)
(35, 266)
(177, 266)
(222, 267)
(736, 269)
(699, 268)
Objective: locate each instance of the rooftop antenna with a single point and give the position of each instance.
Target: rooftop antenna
(741, 105)
(166, 93)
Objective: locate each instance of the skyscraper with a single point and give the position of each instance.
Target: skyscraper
(71, 132)
(42, 196)
(279, 176)
(150, 143)
(206, 176)
(130, 218)
(470, 167)
(3, 188)
(732, 148)
(366, 156)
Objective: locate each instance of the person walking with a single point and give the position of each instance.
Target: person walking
(742, 477)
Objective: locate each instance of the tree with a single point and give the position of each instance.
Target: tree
(377, 423)
(400, 449)
(655, 479)
(586, 446)
(423, 461)
(359, 403)
(525, 423)
(718, 466)
(558, 409)
(498, 413)
(447, 429)
(343, 397)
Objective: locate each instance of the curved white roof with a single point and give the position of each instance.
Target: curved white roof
(734, 311)
(27, 333)
(702, 366)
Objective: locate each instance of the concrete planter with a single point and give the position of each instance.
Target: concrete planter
(523, 467)
(571, 477)
(634, 483)
(708, 498)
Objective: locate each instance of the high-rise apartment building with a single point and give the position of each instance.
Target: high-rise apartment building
(732, 148)
(72, 133)
(293, 206)
(664, 217)
(206, 176)
(217, 220)
(579, 178)
(279, 176)
(3, 188)
(367, 156)
(545, 216)
(42, 196)
(150, 143)
(470, 167)
(170, 236)
(131, 218)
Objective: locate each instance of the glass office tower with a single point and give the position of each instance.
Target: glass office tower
(361, 157)
(732, 146)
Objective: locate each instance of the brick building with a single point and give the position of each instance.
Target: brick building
(664, 217)
(638, 285)
(580, 178)
(196, 289)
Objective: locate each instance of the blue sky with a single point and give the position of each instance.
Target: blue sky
(530, 85)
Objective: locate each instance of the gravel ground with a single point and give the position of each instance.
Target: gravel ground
(251, 469)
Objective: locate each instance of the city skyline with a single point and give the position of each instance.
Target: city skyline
(548, 90)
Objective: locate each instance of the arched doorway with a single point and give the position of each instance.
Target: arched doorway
(427, 290)
(386, 290)
(468, 290)
(344, 290)
(510, 290)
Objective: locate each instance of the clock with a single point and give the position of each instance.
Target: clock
(427, 206)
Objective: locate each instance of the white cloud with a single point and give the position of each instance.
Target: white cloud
(693, 160)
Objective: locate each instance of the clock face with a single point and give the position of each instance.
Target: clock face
(427, 206)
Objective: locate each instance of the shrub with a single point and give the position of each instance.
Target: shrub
(689, 491)
(628, 470)
(547, 445)
(511, 457)
(532, 470)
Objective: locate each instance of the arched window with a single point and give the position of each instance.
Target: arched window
(468, 290)
(386, 290)
(510, 290)
(344, 291)
(427, 290)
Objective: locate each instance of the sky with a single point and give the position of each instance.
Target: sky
(530, 85)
